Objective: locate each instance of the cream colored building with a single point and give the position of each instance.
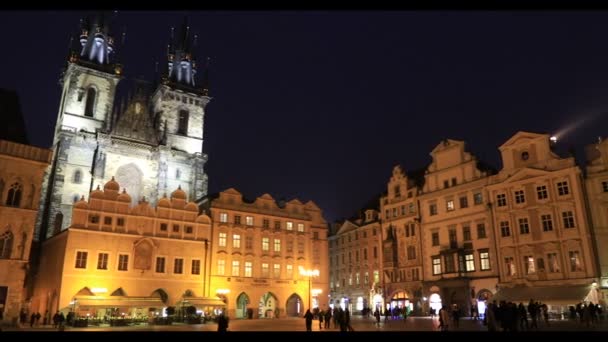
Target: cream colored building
(355, 252)
(21, 172)
(119, 260)
(597, 200)
(460, 264)
(541, 226)
(402, 259)
(269, 257)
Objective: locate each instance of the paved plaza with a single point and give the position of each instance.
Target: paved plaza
(359, 324)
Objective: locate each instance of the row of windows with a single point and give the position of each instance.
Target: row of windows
(451, 206)
(466, 234)
(531, 267)
(545, 219)
(120, 222)
(123, 263)
(402, 275)
(357, 279)
(466, 262)
(411, 208)
(541, 194)
(353, 236)
(77, 178)
(265, 222)
(248, 269)
(350, 256)
(276, 246)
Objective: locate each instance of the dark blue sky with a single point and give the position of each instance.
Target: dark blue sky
(320, 105)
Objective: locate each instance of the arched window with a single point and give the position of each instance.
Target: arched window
(182, 127)
(6, 244)
(77, 177)
(14, 195)
(90, 105)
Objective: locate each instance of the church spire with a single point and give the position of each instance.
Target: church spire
(97, 46)
(181, 60)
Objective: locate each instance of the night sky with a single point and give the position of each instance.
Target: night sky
(320, 105)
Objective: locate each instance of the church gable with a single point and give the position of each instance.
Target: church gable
(135, 122)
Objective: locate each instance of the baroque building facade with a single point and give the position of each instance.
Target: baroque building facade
(597, 195)
(268, 258)
(355, 259)
(542, 227)
(460, 265)
(532, 230)
(119, 260)
(22, 169)
(402, 241)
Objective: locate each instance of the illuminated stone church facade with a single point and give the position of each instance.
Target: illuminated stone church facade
(151, 143)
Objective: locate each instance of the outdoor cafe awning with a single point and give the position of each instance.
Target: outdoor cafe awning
(119, 301)
(202, 301)
(551, 295)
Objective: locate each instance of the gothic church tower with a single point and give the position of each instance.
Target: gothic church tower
(150, 145)
(88, 89)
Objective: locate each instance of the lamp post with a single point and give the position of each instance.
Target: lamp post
(309, 274)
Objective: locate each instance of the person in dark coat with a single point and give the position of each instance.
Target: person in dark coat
(308, 317)
(222, 323)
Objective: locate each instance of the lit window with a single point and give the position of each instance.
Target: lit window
(248, 269)
(223, 217)
(236, 268)
(469, 262)
(484, 258)
(236, 241)
(436, 265)
(222, 240)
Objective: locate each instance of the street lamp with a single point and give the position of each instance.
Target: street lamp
(309, 274)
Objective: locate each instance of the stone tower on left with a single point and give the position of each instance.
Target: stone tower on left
(88, 85)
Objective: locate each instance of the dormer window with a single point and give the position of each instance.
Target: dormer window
(397, 191)
(525, 155)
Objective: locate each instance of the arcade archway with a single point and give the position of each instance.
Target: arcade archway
(293, 306)
(267, 306)
(241, 305)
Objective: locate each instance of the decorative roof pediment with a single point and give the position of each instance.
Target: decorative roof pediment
(447, 143)
(310, 205)
(232, 191)
(346, 227)
(526, 173)
(266, 197)
(522, 138)
(295, 201)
